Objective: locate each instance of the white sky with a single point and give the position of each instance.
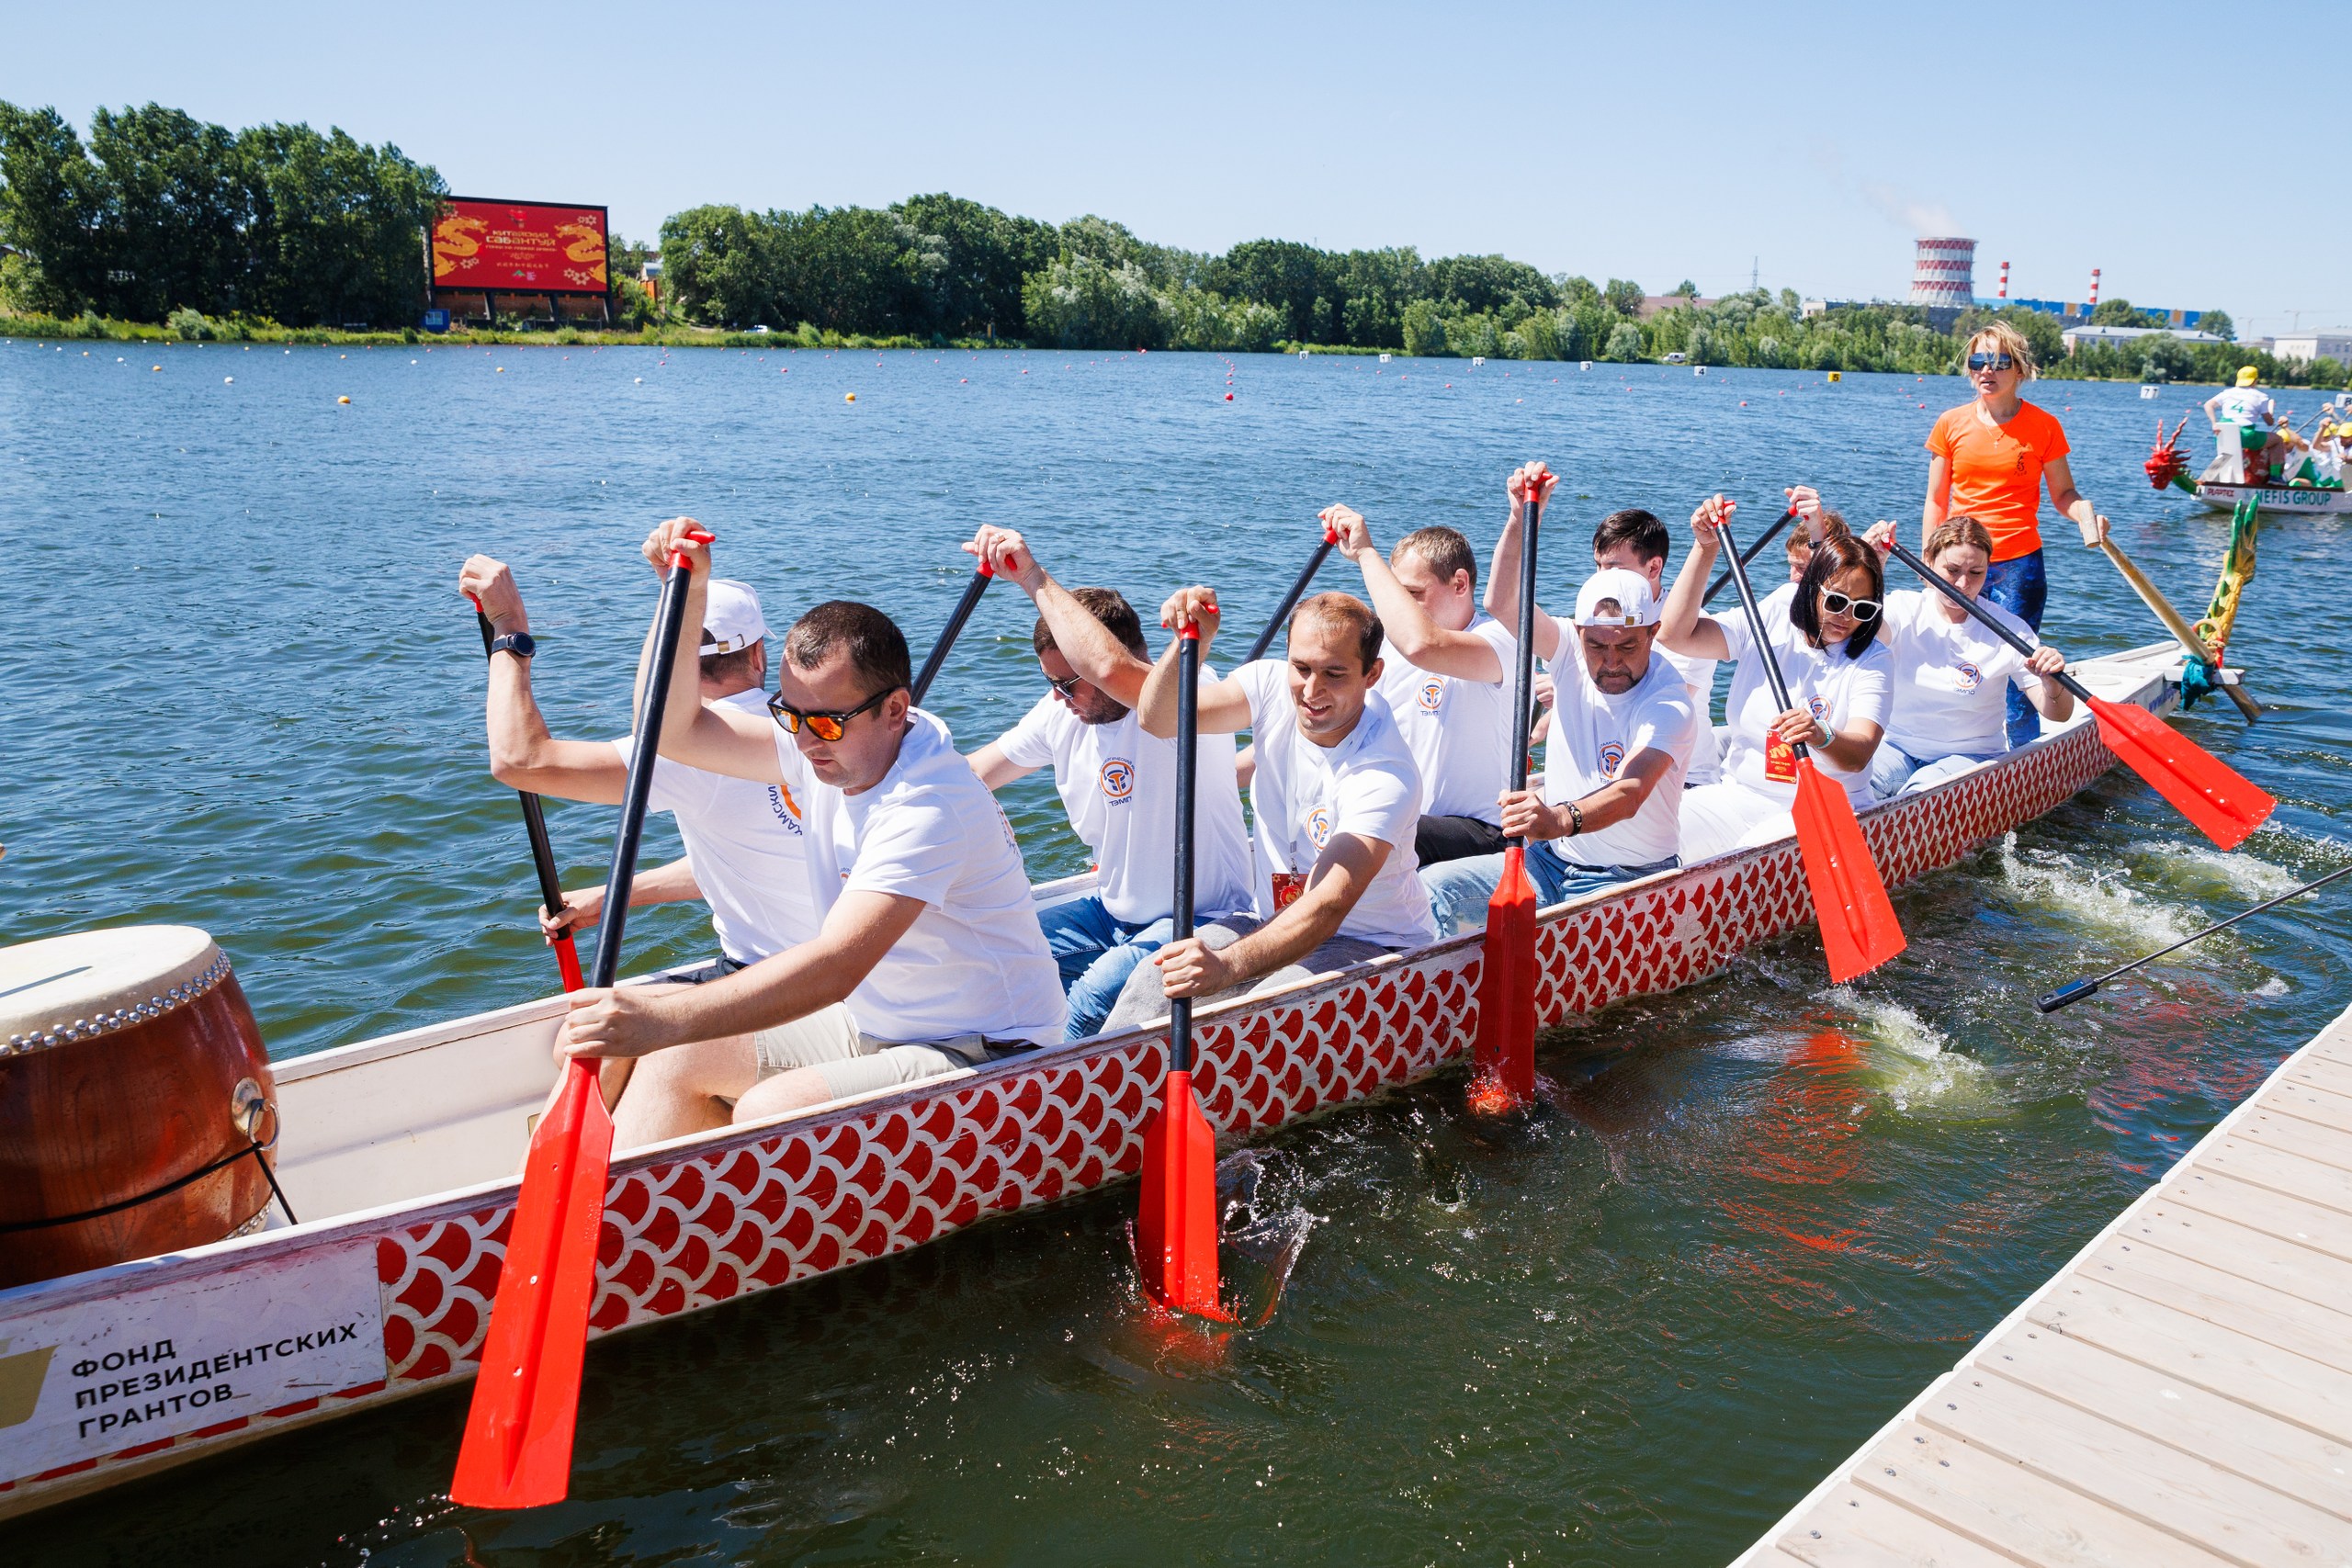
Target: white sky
(1646, 141)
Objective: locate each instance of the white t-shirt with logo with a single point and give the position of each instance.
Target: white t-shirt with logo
(1593, 736)
(1951, 679)
(1118, 783)
(2247, 405)
(1699, 679)
(1459, 730)
(1303, 794)
(1839, 691)
(974, 961)
(747, 846)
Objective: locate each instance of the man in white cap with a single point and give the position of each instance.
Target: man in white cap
(745, 851)
(1622, 726)
(1446, 669)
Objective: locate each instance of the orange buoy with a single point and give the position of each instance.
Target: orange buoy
(852, 397)
(347, 400)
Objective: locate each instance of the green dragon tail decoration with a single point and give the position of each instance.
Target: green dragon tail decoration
(2237, 570)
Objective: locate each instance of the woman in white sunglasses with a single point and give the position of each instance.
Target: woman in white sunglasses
(1991, 459)
(1952, 675)
(1823, 630)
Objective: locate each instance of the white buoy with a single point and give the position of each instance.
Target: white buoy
(1584, 363)
(2146, 392)
(1478, 359)
(1384, 359)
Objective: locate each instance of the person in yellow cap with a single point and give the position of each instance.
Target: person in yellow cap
(2244, 420)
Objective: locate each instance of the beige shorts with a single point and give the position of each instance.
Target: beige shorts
(853, 1063)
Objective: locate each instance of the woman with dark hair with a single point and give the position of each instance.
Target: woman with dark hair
(1823, 632)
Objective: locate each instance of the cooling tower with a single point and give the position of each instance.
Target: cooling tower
(1945, 274)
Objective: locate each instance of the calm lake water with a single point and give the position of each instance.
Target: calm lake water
(241, 691)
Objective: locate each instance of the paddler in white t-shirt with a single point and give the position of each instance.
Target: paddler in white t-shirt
(927, 958)
(1118, 781)
(1337, 799)
(1823, 631)
(746, 856)
(1623, 726)
(1952, 675)
(1445, 676)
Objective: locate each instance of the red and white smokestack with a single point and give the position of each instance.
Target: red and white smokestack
(2094, 288)
(2005, 280)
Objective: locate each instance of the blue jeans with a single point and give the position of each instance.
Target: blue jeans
(1896, 772)
(1097, 953)
(1459, 889)
(2021, 587)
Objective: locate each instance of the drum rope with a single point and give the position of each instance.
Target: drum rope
(254, 1147)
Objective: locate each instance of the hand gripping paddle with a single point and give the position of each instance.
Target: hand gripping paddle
(1176, 1216)
(518, 1447)
(1859, 930)
(1503, 1055)
(2225, 805)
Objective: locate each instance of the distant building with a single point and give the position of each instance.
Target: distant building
(2117, 337)
(2074, 313)
(2304, 347)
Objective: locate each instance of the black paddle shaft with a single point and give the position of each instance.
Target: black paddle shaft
(1748, 555)
(1764, 649)
(535, 819)
(1290, 600)
(643, 747)
(938, 656)
(1522, 695)
(2075, 991)
(1894, 547)
(1188, 733)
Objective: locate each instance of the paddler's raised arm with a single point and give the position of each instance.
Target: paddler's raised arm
(1421, 640)
(1529, 480)
(1684, 628)
(717, 740)
(1225, 707)
(1094, 655)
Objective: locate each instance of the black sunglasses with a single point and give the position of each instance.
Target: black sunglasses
(1991, 361)
(1066, 685)
(827, 726)
(1838, 603)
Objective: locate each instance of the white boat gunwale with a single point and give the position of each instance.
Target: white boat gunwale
(1693, 943)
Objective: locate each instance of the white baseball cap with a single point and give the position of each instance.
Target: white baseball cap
(1629, 590)
(731, 621)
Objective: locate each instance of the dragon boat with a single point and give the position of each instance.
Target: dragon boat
(400, 1152)
(2167, 465)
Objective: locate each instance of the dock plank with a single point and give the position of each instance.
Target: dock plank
(2307, 1328)
(2308, 1139)
(2279, 1454)
(2288, 1267)
(2182, 1495)
(1854, 1528)
(2318, 1072)
(2009, 1508)
(2221, 1359)
(2282, 1171)
(2258, 1208)
(2312, 1105)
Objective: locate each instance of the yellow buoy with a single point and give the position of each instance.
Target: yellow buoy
(849, 397)
(1833, 374)
(347, 400)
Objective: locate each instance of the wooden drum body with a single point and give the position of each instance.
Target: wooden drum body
(128, 1060)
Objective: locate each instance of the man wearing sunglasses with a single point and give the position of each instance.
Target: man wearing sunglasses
(928, 958)
(745, 855)
(1116, 781)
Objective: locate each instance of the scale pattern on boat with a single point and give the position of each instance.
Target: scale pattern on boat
(687, 1229)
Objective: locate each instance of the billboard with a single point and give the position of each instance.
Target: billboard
(529, 247)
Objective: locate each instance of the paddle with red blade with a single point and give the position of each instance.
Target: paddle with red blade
(1859, 930)
(1177, 1214)
(1503, 1054)
(518, 1447)
(1748, 554)
(1290, 600)
(2225, 805)
(534, 824)
(978, 586)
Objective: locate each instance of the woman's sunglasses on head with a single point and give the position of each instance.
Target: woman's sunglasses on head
(824, 725)
(1838, 603)
(1991, 361)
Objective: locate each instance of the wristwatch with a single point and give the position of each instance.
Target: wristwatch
(522, 645)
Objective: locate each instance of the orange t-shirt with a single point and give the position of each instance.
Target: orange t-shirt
(1996, 471)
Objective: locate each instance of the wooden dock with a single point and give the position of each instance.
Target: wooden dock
(2181, 1392)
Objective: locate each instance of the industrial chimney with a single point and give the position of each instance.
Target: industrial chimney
(1944, 273)
(2005, 280)
(2093, 288)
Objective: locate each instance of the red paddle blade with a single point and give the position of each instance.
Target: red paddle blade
(1176, 1221)
(1859, 930)
(1504, 1051)
(517, 1451)
(2225, 804)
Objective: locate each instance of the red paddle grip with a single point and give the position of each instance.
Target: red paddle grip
(693, 536)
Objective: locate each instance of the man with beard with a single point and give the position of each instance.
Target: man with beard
(1622, 729)
(1116, 781)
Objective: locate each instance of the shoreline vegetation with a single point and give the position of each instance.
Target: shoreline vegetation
(161, 228)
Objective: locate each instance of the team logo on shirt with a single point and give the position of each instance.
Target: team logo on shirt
(1612, 757)
(1432, 696)
(1820, 709)
(1319, 827)
(786, 810)
(1118, 779)
(1967, 676)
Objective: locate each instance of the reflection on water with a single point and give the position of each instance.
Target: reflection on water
(1746, 1224)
